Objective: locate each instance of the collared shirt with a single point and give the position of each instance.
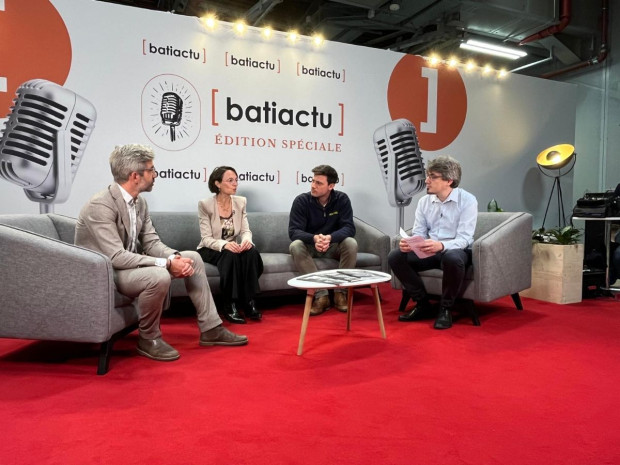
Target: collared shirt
(133, 228)
(451, 222)
(131, 208)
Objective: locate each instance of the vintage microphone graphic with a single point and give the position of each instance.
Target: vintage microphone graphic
(400, 162)
(171, 112)
(44, 140)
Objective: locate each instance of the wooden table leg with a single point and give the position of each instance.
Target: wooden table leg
(375, 291)
(304, 321)
(349, 307)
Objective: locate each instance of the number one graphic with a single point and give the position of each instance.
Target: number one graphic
(430, 125)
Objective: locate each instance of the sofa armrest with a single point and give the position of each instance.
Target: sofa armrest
(65, 225)
(502, 258)
(372, 240)
(53, 290)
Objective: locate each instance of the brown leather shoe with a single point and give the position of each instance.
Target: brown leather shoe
(220, 336)
(319, 305)
(157, 349)
(340, 301)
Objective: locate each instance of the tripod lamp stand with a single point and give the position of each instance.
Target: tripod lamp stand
(550, 163)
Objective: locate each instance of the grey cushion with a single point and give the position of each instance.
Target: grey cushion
(177, 230)
(270, 231)
(39, 224)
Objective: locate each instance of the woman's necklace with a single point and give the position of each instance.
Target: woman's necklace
(223, 205)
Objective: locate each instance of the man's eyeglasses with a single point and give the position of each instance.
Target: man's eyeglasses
(434, 176)
(151, 169)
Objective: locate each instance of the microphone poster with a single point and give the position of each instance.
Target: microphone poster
(270, 107)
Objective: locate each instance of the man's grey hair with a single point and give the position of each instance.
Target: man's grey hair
(447, 167)
(125, 159)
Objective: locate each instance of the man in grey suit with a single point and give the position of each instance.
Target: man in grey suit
(116, 222)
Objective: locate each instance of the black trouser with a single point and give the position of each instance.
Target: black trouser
(239, 272)
(454, 263)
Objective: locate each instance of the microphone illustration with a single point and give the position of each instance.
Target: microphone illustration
(171, 111)
(400, 162)
(44, 140)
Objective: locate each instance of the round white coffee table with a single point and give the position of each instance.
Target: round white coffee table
(338, 279)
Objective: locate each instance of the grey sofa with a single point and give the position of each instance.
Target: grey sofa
(501, 261)
(270, 235)
(54, 290)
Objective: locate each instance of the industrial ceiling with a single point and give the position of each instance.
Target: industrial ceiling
(559, 36)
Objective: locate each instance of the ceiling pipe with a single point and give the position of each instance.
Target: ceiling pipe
(565, 15)
(603, 51)
(259, 10)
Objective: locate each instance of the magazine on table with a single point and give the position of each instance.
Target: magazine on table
(337, 277)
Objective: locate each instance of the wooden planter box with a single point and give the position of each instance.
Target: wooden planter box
(557, 273)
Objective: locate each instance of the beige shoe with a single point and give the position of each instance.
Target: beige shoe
(220, 336)
(157, 349)
(319, 305)
(340, 301)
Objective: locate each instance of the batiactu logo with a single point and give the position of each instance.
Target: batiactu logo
(171, 112)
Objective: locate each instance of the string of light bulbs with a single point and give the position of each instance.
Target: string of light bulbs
(210, 21)
(240, 27)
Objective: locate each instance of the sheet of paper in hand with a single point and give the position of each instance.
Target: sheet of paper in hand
(415, 242)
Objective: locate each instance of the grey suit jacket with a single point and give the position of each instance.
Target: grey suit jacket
(211, 225)
(103, 225)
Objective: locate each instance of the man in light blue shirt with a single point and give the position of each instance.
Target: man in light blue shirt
(446, 219)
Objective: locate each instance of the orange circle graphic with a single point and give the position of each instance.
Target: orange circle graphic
(433, 98)
(34, 44)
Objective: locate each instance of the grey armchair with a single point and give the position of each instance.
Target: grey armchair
(53, 290)
(501, 262)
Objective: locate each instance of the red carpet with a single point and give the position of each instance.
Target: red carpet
(533, 387)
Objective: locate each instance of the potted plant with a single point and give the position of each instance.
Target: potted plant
(493, 206)
(557, 265)
(564, 236)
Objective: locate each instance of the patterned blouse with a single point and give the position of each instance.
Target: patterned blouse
(228, 229)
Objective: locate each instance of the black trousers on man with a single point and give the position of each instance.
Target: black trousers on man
(453, 262)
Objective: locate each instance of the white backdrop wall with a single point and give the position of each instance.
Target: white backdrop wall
(122, 60)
